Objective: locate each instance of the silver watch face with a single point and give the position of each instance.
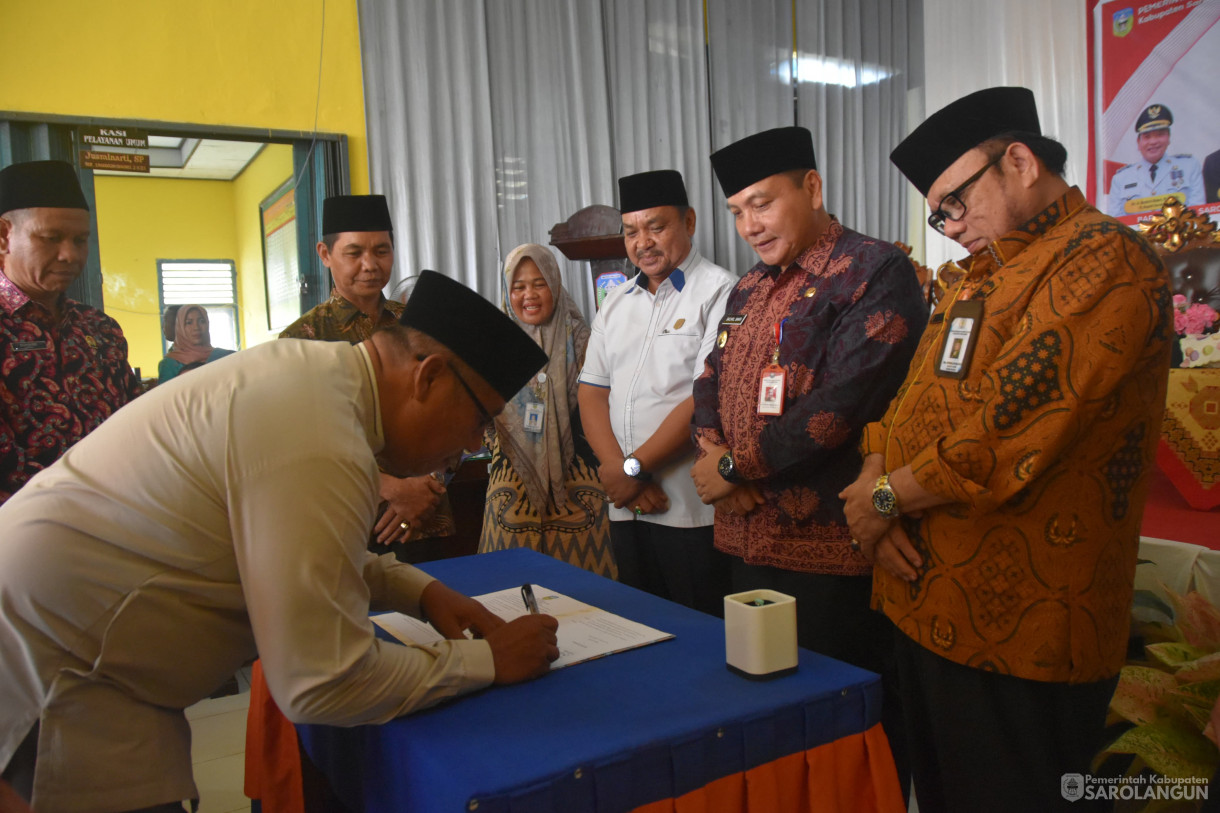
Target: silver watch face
(631, 467)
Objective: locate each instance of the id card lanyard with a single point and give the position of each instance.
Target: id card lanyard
(956, 348)
(535, 413)
(771, 383)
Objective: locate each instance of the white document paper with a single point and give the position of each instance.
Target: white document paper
(585, 632)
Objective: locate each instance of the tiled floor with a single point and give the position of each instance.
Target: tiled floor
(218, 749)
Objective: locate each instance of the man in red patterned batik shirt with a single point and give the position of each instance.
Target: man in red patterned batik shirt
(63, 365)
(814, 342)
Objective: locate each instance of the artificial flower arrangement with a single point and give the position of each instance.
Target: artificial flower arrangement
(1165, 706)
(1196, 323)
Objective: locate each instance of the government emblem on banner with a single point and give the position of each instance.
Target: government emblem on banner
(1071, 786)
(1177, 177)
(1124, 21)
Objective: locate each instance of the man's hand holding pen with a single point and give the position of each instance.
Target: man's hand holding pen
(531, 645)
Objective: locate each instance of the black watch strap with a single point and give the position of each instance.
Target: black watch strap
(728, 469)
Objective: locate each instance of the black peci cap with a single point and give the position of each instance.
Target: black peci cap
(40, 184)
(646, 190)
(762, 155)
(355, 213)
(959, 127)
(477, 332)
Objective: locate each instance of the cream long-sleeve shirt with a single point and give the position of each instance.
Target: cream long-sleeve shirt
(222, 516)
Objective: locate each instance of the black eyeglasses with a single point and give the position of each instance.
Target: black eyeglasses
(951, 206)
(484, 415)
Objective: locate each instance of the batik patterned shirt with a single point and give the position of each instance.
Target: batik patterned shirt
(58, 381)
(1044, 448)
(337, 320)
(852, 314)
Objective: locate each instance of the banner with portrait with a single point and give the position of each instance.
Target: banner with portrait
(1154, 118)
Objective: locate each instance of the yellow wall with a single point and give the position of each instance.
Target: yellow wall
(227, 62)
(142, 220)
(263, 176)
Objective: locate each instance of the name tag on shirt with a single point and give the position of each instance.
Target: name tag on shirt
(965, 320)
(26, 347)
(727, 321)
(771, 391)
(533, 417)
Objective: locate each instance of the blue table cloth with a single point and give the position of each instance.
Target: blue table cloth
(607, 735)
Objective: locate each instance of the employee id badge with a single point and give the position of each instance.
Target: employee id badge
(965, 320)
(771, 390)
(533, 417)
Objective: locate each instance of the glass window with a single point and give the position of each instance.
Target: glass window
(210, 283)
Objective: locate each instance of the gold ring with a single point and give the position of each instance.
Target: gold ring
(855, 545)
(406, 526)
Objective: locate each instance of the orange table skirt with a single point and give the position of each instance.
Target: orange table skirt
(854, 774)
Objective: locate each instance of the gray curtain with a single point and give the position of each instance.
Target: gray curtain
(427, 99)
(489, 122)
(1035, 43)
(656, 63)
(853, 68)
(751, 48)
(550, 126)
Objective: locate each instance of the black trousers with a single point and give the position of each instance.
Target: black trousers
(679, 564)
(833, 618)
(985, 741)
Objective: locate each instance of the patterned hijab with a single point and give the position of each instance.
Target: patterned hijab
(542, 460)
(182, 349)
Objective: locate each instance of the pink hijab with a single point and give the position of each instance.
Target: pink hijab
(182, 350)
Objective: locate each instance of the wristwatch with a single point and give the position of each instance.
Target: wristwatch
(727, 468)
(884, 498)
(632, 468)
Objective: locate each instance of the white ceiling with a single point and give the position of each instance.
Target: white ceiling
(199, 159)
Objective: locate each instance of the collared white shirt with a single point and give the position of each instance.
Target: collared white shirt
(648, 349)
(1174, 173)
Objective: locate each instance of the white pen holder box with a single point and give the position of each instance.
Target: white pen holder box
(760, 634)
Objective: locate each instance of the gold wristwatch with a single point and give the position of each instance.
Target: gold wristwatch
(884, 498)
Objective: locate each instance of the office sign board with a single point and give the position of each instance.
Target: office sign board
(127, 137)
(114, 161)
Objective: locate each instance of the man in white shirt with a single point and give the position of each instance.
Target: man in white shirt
(225, 515)
(1142, 186)
(647, 346)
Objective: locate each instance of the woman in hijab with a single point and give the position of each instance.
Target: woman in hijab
(543, 492)
(187, 328)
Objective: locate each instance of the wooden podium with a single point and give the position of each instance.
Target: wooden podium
(595, 234)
